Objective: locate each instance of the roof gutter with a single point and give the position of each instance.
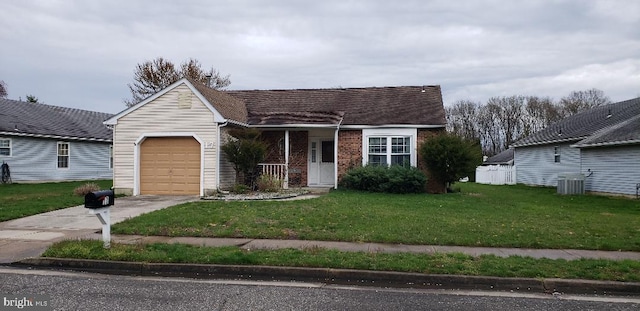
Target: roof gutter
(57, 137)
(548, 142)
(607, 144)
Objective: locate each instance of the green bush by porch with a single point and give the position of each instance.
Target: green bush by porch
(380, 178)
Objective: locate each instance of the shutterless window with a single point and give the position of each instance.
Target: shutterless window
(327, 152)
(377, 150)
(63, 155)
(556, 154)
(390, 150)
(401, 150)
(5, 147)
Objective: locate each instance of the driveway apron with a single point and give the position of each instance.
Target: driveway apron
(30, 236)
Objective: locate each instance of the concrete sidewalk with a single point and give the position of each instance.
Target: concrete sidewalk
(568, 254)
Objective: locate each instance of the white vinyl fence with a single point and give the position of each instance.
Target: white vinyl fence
(496, 175)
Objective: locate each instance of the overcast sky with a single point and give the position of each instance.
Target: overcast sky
(82, 53)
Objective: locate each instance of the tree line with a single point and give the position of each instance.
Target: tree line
(501, 121)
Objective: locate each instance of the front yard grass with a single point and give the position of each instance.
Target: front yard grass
(21, 200)
(486, 265)
(480, 215)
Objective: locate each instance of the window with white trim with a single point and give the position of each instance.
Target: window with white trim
(390, 150)
(63, 155)
(5, 147)
(556, 154)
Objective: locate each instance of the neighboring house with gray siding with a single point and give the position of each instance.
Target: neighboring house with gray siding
(602, 143)
(49, 143)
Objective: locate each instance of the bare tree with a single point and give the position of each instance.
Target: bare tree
(503, 120)
(3, 89)
(579, 101)
(152, 76)
(462, 119)
(540, 112)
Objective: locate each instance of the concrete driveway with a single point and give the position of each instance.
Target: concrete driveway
(30, 236)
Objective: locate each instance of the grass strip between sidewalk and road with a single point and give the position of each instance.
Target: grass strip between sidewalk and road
(454, 264)
(479, 215)
(20, 200)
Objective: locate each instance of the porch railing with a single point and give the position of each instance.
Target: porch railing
(277, 171)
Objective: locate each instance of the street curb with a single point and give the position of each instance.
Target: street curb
(338, 276)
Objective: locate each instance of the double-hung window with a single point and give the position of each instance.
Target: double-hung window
(63, 155)
(390, 150)
(556, 154)
(5, 147)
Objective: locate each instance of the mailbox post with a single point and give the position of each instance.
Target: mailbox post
(99, 204)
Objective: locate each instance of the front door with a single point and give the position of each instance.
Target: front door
(321, 162)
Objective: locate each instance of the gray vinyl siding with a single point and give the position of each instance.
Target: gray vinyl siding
(35, 159)
(535, 164)
(612, 169)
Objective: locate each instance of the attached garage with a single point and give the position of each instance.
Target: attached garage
(170, 166)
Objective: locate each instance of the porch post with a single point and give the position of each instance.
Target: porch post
(335, 158)
(286, 160)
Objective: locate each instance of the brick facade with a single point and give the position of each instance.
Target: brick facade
(349, 151)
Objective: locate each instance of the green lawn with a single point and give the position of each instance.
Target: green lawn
(480, 215)
(624, 270)
(20, 200)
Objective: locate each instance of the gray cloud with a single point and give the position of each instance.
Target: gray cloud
(82, 53)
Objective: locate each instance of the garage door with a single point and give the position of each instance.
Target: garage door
(170, 166)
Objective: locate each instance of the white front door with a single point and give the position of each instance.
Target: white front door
(321, 161)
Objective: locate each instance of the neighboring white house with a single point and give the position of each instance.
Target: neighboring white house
(170, 143)
(49, 143)
(602, 143)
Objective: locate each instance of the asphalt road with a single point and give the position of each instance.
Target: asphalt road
(88, 291)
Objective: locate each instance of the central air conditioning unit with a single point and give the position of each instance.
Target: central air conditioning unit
(570, 183)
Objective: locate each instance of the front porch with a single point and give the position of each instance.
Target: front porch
(301, 157)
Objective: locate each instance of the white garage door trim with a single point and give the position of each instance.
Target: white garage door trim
(141, 138)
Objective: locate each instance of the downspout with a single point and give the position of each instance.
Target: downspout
(286, 159)
(219, 153)
(335, 155)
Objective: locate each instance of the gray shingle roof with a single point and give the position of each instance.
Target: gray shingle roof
(414, 105)
(504, 157)
(584, 125)
(39, 120)
(627, 132)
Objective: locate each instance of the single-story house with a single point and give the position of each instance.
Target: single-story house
(170, 143)
(49, 143)
(602, 144)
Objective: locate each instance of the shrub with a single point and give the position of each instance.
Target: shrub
(269, 183)
(405, 180)
(450, 157)
(377, 178)
(81, 191)
(240, 188)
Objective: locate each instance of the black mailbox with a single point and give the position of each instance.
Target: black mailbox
(99, 199)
